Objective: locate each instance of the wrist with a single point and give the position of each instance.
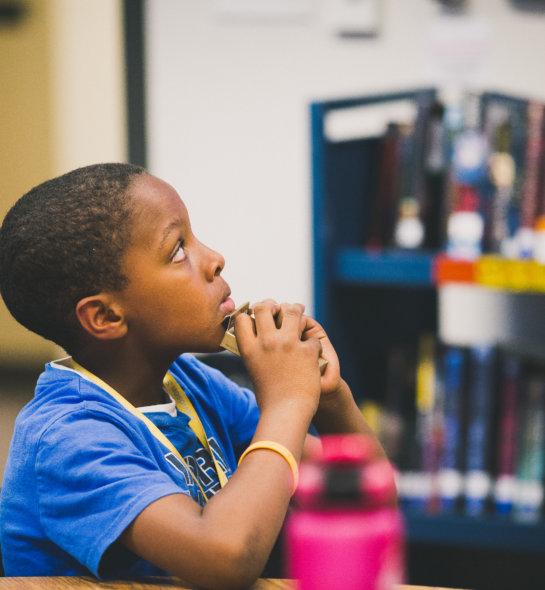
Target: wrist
(275, 447)
(289, 411)
(332, 399)
(290, 400)
(286, 423)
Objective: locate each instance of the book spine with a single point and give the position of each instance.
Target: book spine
(425, 404)
(392, 423)
(539, 227)
(502, 173)
(465, 225)
(384, 206)
(425, 103)
(528, 211)
(519, 134)
(504, 485)
(530, 468)
(408, 231)
(477, 484)
(453, 119)
(450, 478)
(435, 165)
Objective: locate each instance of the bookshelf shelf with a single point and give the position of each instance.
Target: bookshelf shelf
(428, 269)
(483, 533)
(356, 265)
(494, 272)
(375, 300)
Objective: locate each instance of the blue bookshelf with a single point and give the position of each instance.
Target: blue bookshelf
(370, 300)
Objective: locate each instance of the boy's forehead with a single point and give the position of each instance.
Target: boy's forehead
(150, 194)
(156, 210)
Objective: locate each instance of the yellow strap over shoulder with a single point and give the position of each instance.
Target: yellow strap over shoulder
(182, 403)
(186, 407)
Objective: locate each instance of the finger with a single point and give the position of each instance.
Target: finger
(310, 329)
(307, 325)
(290, 317)
(244, 330)
(264, 313)
(315, 344)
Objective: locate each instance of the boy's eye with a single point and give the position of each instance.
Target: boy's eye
(179, 253)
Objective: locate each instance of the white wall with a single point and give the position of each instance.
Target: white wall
(228, 114)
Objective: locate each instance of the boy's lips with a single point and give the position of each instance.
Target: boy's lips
(227, 306)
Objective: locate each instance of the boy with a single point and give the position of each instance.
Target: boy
(103, 261)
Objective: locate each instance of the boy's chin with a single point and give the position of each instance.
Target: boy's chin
(210, 348)
(209, 345)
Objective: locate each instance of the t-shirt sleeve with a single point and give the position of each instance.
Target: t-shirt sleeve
(93, 479)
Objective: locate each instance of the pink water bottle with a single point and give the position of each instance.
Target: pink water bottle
(344, 530)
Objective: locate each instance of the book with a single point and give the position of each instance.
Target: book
(384, 204)
(465, 225)
(428, 112)
(518, 140)
(426, 381)
(504, 484)
(530, 465)
(477, 479)
(450, 476)
(502, 172)
(533, 154)
(410, 227)
(413, 485)
(539, 226)
(471, 148)
(469, 171)
(391, 421)
(453, 120)
(436, 171)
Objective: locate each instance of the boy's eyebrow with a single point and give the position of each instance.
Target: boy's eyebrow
(173, 225)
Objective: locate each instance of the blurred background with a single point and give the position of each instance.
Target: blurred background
(214, 97)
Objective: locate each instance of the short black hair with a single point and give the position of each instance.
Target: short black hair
(62, 241)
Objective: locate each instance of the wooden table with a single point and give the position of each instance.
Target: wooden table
(81, 583)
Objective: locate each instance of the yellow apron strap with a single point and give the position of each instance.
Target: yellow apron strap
(186, 407)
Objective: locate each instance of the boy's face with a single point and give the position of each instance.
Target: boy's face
(176, 299)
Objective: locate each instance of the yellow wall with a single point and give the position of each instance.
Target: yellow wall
(62, 105)
(26, 141)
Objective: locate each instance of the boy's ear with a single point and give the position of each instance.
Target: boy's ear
(101, 317)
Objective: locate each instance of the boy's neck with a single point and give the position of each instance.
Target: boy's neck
(138, 381)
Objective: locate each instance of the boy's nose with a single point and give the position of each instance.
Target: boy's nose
(215, 263)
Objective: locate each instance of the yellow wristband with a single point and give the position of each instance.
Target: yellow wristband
(281, 450)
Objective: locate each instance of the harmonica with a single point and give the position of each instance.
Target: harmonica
(229, 341)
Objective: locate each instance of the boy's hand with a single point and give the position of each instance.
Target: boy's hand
(282, 364)
(331, 379)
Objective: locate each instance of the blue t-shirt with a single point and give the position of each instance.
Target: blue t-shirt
(81, 468)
